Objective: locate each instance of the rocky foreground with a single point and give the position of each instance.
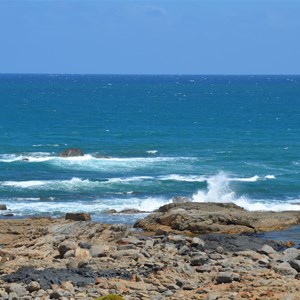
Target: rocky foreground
(64, 259)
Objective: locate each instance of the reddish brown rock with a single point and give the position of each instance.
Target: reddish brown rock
(78, 217)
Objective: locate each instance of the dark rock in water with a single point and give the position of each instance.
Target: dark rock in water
(78, 216)
(79, 277)
(131, 211)
(110, 211)
(71, 152)
(8, 215)
(3, 207)
(181, 199)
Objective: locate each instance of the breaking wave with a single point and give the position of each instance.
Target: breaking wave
(219, 190)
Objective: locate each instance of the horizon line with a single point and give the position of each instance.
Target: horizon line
(152, 74)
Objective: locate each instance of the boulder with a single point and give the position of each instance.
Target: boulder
(16, 288)
(82, 254)
(71, 152)
(201, 218)
(66, 246)
(3, 207)
(78, 216)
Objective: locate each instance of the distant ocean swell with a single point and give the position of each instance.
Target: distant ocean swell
(210, 138)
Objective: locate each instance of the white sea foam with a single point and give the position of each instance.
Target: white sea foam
(130, 179)
(95, 207)
(218, 190)
(72, 184)
(30, 157)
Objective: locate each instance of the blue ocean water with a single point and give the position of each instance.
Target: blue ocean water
(210, 138)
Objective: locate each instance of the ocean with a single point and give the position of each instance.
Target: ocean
(147, 139)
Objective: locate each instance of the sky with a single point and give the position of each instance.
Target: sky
(150, 37)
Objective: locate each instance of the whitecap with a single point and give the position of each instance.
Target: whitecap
(186, 178)
(249, 179)
(152, 151)
(270, 177)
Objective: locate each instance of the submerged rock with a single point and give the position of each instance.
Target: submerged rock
(71, 152)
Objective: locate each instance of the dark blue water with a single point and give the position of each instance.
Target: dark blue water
(211, 138)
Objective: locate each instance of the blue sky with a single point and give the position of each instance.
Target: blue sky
(150, 37)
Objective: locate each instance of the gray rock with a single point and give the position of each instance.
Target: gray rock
(224, 277)
(3, 295)
(129, 253)
(177, 239)
(149, 244)
(184, 250)
(70, 253)
(13, 296)
(289, 254)
(264, 261)
(198, 243)
(16, 288)
(295, 263)
(66, 246)
(285, 269)
(98, 250)
(199, 259)
(57, 294)
(220, 249)
(266, 249)
(213, 296)
(204, 268)
(33, 286)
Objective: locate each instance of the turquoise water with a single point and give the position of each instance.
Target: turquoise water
(211, 138)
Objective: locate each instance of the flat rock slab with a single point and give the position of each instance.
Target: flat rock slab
(47, 277)
(235, 243)
(201, 218)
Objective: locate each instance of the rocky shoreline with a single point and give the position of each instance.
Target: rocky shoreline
(44, 258)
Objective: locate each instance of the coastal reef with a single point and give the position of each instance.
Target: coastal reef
(44, 258)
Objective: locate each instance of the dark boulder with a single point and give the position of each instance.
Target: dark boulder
(71, 152)
(3, 207)
(78, 216)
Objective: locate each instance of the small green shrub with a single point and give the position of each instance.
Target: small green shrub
(110, 297)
